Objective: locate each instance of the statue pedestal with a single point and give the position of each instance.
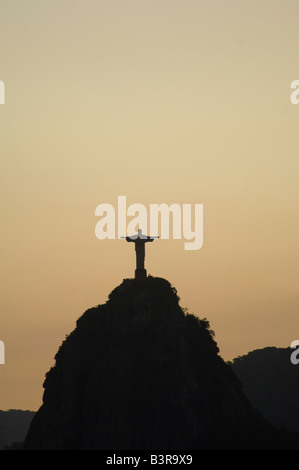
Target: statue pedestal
(140, 273)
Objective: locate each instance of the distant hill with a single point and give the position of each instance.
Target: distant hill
(14, 426)
(140, 373)
(271, 382)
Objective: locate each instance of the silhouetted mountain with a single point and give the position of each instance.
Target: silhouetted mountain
(14, 425)
(271, 382)
(139, 373)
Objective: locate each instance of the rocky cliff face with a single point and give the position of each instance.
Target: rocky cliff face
(140, 373)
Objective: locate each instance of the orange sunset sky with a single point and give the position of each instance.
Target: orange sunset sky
(163, 101)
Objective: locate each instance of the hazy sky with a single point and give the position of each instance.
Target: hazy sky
(163, 101)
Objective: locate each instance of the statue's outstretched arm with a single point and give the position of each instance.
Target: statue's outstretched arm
(150, 239)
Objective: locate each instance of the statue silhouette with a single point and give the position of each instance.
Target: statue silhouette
(140, 239)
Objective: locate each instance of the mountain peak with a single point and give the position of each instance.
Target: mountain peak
(139, 372)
